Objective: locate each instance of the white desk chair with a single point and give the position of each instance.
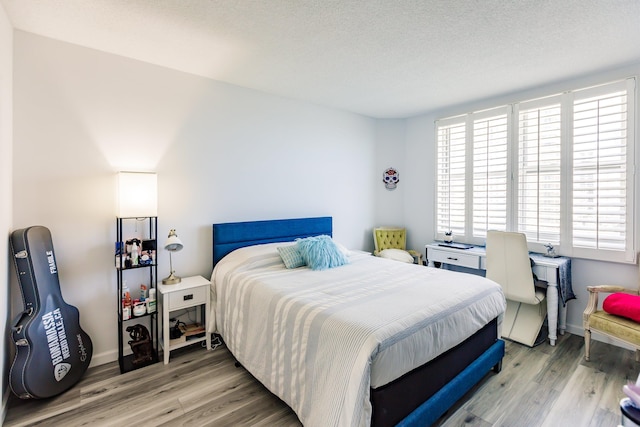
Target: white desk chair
(508, 264)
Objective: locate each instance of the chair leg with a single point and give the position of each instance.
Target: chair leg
(637, 355)
(526, 323)
(587, 344)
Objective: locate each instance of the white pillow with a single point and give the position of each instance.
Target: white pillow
(343, 249)
(397, 255)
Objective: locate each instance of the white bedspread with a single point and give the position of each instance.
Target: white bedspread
(320, 339)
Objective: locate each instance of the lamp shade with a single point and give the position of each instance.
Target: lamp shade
(173, 243)
(137, 194)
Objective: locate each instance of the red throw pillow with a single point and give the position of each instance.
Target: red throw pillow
(624, 305)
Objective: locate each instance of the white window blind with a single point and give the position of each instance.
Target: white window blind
(559, 169)
(490, 138)
(450, 179)
(539, 170)
(600, 178)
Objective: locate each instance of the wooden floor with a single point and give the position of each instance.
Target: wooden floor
(543, 386)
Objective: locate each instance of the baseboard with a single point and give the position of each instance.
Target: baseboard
(5, 399)
(107, 357)
(103, 358)
(575, 330)
(579, 330)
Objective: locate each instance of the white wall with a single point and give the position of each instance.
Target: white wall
(397, 207)
(222, 153)
(419, 206)
(6, 136)
(389, 208)
(419, 209)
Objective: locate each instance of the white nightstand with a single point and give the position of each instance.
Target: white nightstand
(190, 292)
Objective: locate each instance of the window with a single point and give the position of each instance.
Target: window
(489, 173)
(558, 169)
(539, 170)
(450, 211)
(602, 196)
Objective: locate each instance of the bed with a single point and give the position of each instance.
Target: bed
(373, 342)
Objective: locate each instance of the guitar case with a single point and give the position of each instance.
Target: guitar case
(52, 350)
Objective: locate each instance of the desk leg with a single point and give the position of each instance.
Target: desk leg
(563, 319)
(552, 313)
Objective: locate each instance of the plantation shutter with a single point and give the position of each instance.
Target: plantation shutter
(539, 170)
(559, 169)
(601, 177)
(490, 154)
(450, 177)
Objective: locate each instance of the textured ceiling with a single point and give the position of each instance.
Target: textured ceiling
(380, 58)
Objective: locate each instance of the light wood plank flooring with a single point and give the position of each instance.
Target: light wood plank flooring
(543, 386)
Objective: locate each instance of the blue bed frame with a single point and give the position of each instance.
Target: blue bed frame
(233, 235)
(230, 236)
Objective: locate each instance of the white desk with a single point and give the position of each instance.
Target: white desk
(545, 268)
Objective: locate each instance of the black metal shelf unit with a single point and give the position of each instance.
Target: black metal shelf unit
(129, 362)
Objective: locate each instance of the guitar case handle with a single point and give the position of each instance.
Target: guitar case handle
(17, 321)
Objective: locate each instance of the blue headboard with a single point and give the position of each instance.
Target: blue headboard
(233, 235)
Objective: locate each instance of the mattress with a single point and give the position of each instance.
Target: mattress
(320, 339)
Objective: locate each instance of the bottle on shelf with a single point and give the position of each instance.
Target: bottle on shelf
(126, 312)
(134, 253)
(151, 303)
(126, 302)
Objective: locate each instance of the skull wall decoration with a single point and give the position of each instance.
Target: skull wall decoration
(391, 178)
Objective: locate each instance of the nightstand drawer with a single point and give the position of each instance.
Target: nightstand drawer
(187, 298)
(454, 258)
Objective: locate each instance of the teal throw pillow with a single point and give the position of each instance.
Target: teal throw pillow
(321, 253)
(291, 256)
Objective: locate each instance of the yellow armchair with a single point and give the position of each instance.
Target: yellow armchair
(393, 238)
(616, 327)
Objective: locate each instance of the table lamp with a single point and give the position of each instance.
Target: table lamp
(173, 244)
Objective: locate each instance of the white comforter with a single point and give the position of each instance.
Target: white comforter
(320, 339)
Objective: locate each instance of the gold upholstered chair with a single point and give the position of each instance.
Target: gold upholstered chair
(619, 328)
(391, 242)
